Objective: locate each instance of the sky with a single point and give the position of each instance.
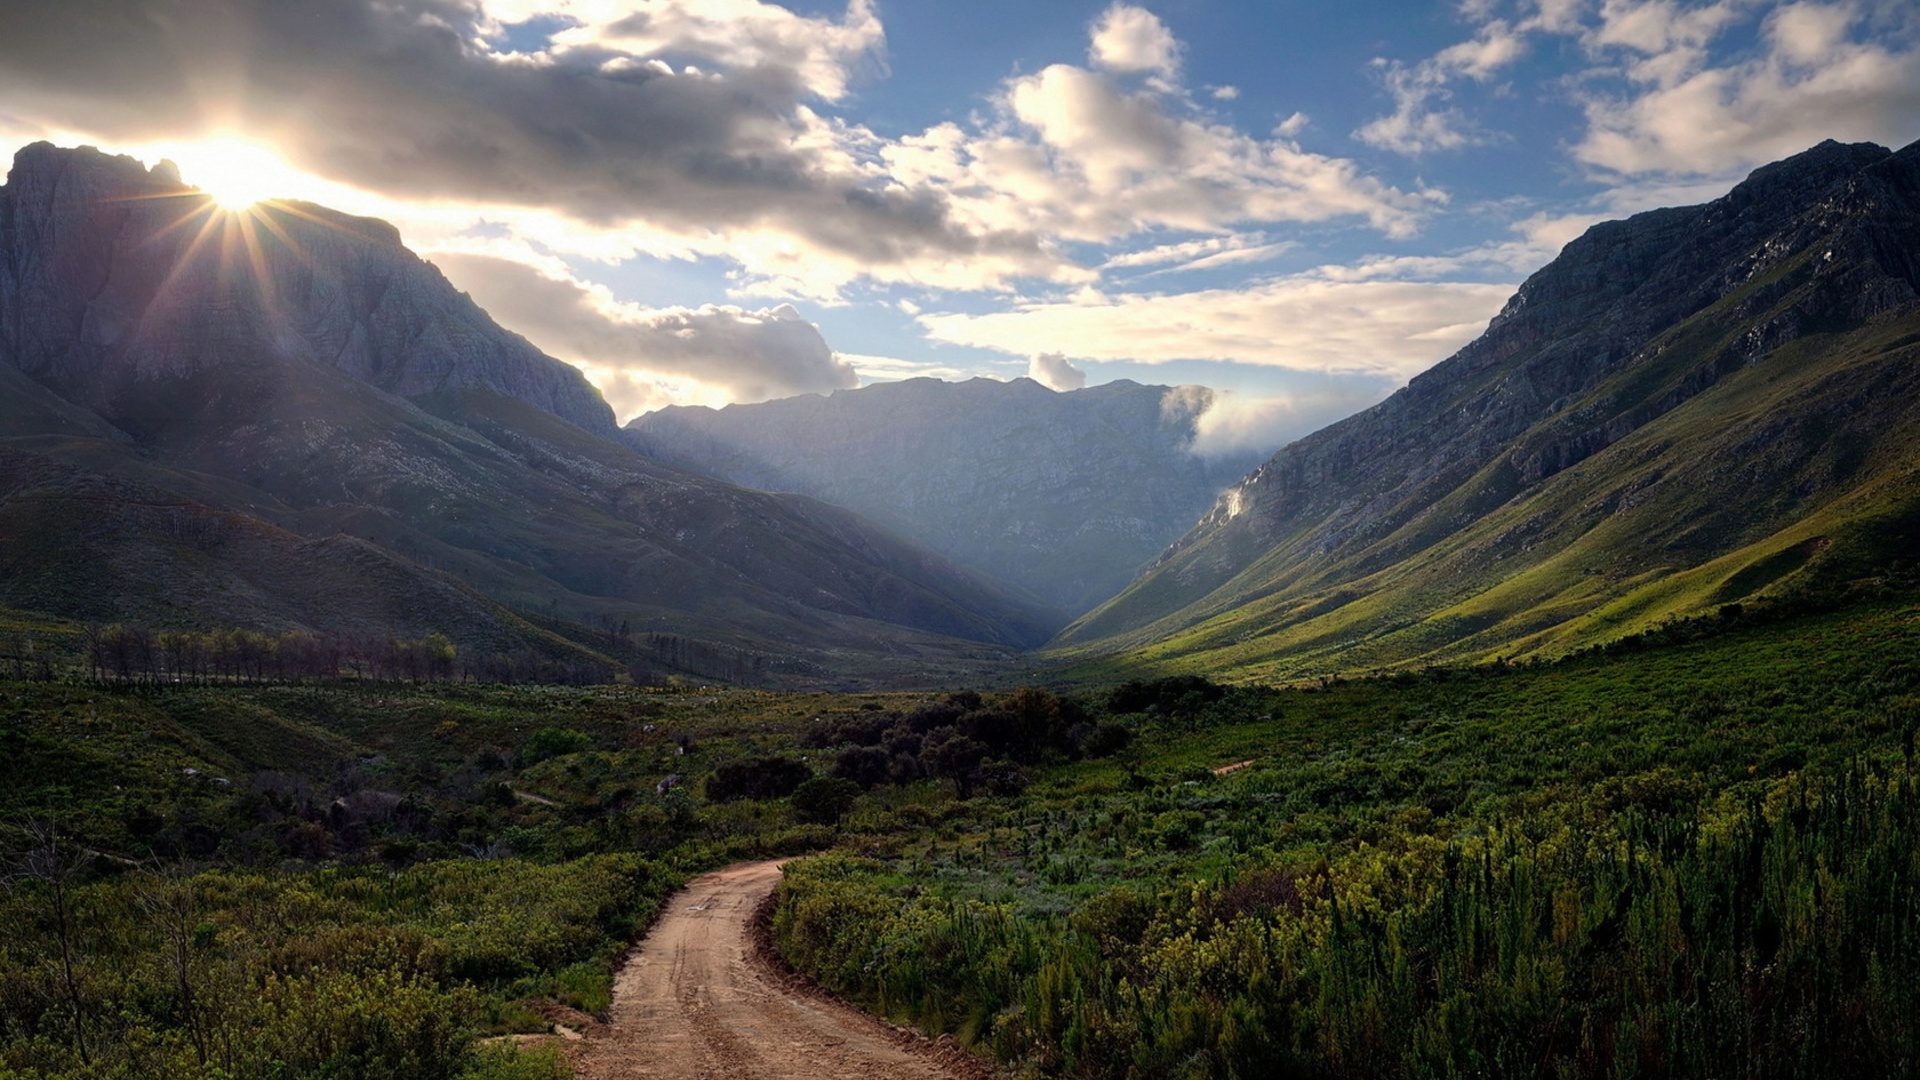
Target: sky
(1299, 203)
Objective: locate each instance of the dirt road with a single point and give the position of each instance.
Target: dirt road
(696, 1002)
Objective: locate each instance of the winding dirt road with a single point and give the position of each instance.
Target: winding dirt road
(697, 1001)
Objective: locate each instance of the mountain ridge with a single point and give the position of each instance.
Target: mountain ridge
(1065, 495)
(220, 423)
(1353, 541)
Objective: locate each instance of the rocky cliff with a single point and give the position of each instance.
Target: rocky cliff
(1672, 397)
(112, 276)
(1066, 495)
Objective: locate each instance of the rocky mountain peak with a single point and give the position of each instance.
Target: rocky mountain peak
(113, 275)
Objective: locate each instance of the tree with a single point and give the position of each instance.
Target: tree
(824, 800)
(49, 864)
(955, 757)
(772, 777)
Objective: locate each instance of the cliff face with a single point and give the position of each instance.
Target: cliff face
(1066, 495)
(1640, 331)
(112, 275)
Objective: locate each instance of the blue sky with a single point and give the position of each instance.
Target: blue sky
(726, 200)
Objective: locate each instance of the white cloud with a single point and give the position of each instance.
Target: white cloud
(1304, 323)
(1671, 91)
(1203, 253)
(1231, 424)
(641, 358)
(1418, 124)
(1133, 40)
(1053, 371)
(875, 369)
(1223, 93)
(821, 52)
(1074, 156)
(1825, 71)
(1292, 126)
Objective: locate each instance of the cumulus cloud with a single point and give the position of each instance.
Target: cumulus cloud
(1072, 154)
(643, 358)
(1825, 70)
(1304, 322)
(1133, 40)
(1053, 371)
(735, 34)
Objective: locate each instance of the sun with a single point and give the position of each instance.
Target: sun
(236, 173)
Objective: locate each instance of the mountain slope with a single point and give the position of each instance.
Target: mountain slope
(1685, 409)
(286, 420)
(1066, 495)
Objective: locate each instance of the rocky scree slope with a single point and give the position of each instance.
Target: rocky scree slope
(1688, 408)
(1065, 495)
(282, 419)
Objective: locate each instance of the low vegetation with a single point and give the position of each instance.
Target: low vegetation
(1692, 854)
(1695, 860)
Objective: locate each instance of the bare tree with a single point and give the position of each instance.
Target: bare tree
(52, 865)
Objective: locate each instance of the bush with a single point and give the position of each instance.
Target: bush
(824, 800)
(552, 742)
(772, 777)
(1107, 739)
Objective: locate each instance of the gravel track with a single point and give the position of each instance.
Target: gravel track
(700, 999)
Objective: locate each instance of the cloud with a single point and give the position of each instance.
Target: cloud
(875, 369)
(735, 34)
(1839, 71)
(1073, 155)
(1230, 424)
(681, 129)
(1201, 254)
(1052, 371)
(1133, 40)
(1304, 322)
(1416, 125)
(410, 99)
(642, 358)
(1671, 89)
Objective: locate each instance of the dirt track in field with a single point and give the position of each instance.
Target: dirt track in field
(700, 999)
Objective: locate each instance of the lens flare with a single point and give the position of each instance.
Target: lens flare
(235, 173)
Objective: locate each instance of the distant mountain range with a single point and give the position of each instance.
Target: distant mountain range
(282, 419)
(1688, 409)
(1065, 495)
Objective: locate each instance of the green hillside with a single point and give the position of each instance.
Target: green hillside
(1595, 464)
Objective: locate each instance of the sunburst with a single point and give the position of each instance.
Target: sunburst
(235, 173)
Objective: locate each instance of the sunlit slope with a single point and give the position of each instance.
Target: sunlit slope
(1691, 408)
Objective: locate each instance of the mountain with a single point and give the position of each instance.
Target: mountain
(1065, 495)
(1691, 408)
(282, 419)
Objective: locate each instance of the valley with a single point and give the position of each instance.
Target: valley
(374, 707)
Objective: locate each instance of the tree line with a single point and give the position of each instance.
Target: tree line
(128, 653)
